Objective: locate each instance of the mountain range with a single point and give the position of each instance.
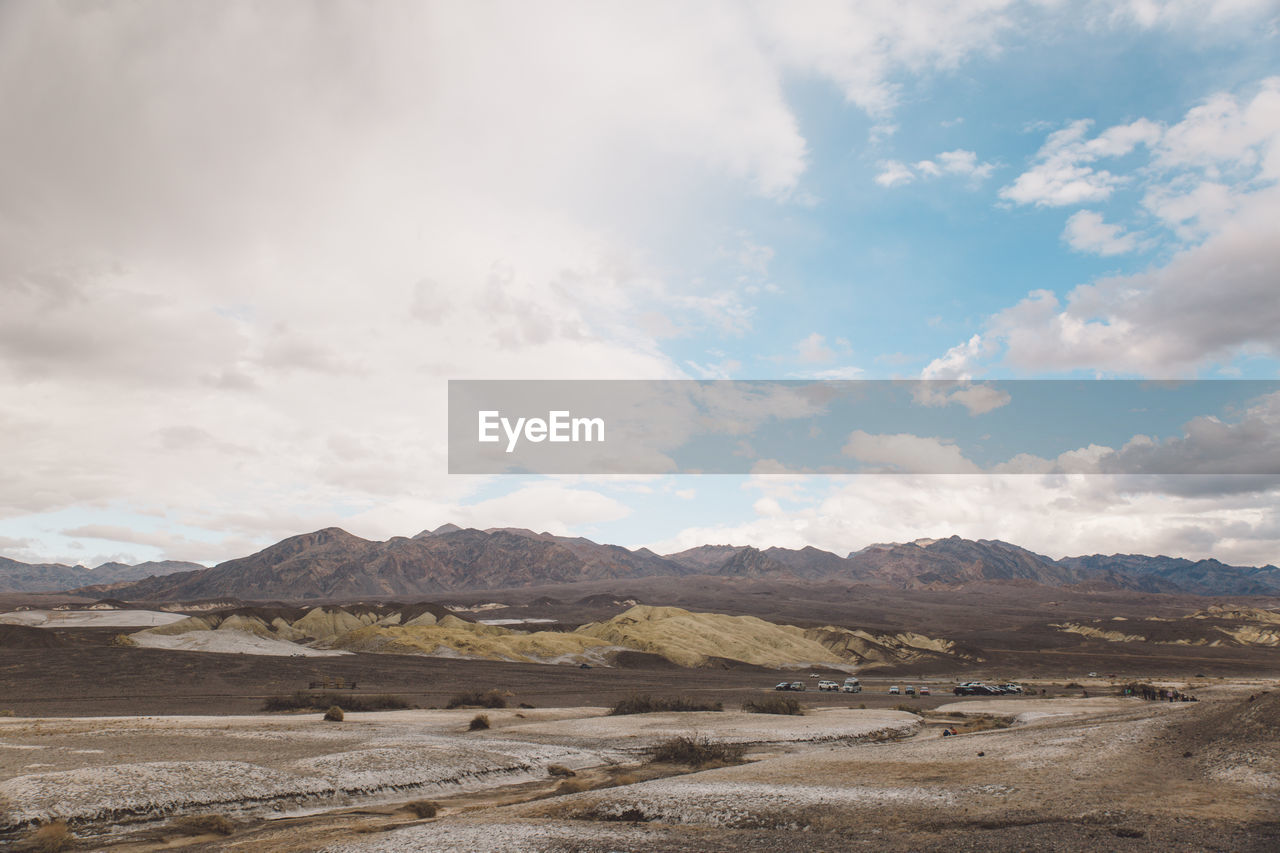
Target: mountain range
(332, 564)
(45, 577)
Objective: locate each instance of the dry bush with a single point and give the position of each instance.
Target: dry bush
(423, 808)
(572, 786)
(51, 837)
(479, 722)
(646, 704)
(123, 640)
(6, 712)
(984, 723)
(204, 824)
(785, 705)
(478, 699)
(910, 709)
(560, 770)
(333, 715)
(696, 752)
(626, 779)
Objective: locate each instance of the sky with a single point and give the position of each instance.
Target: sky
(244, 247)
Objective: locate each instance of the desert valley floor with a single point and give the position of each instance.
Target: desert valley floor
(134, 727)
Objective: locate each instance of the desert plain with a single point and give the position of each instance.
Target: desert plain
(131, 727)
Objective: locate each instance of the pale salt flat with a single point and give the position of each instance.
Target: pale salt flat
(704, 801)
(258, 764)
(230, 641)
(90, 618)
(639, 731)
(1029, 710)
(467, 836)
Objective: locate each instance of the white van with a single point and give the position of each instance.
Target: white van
(851, 685)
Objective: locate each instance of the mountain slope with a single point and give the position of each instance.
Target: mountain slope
(51, 577)
(332, 564)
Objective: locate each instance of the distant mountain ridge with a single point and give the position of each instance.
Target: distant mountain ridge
(332, 564)
(47, 577)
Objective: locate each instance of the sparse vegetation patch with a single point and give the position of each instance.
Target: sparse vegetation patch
(478, 723)
(304, 701)
(774, 705)
(646, 704)
(51, 837)
(478, 699)
(423, 808)
(696, 752)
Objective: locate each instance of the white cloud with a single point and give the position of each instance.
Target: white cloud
(906, 453)
(1087, 232)
(957, 163)
(965, 163)
(1211, 178)
(813, 349)
(977, 398)
(960, 361)
(1054, 515)
(893, 173)
(1061, 174)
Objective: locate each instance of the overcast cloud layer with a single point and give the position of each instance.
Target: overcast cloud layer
(244, 245)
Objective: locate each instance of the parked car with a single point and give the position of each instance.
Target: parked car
(894, 690)
(782, 685)
(851, 686)
(1011, 688)
(797, 685)
(911, 691)
(828, 685)
(975, 689)
(924, 691)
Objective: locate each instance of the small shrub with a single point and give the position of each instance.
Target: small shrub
(51, 837)
(478, 723)
(525, 705)
(572, 786)
(625, 779)
(423, 808)
(1074, 686)
(478, 699)
(123, 640)
(333, 715)
(6, 712)
(696, 752)
(646, 704)
(910, 709)
(560, 770)
(774, 705)
(204, 824)
(983, 723)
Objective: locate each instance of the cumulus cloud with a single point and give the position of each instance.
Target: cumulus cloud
(1063, 174)
(1212, 180)
(1087, 232)
(1058, 516)
(906, 453)
(959, 163)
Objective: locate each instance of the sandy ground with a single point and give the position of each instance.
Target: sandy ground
(230, 641)
(1075, 775)
(90, 618)
(638, 732)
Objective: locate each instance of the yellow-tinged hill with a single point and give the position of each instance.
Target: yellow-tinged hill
(690, 639)
(468, 639)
